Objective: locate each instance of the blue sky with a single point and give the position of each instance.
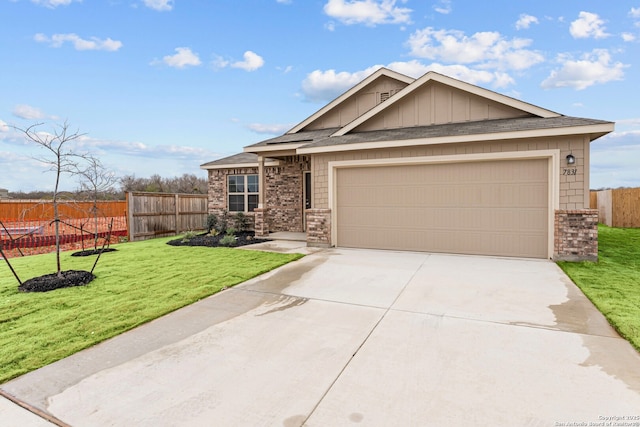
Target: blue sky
(162, 86)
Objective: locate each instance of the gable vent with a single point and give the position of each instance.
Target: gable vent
(386, 95)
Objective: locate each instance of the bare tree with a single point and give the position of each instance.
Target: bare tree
(61, 160)
(94, 180)
(187, 183)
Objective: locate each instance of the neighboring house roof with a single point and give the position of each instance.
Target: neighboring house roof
(362, 118)
(241, 160)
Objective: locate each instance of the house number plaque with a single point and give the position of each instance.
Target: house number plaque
(569, 171)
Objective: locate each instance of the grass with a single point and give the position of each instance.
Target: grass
(135, 284)
(613, 283)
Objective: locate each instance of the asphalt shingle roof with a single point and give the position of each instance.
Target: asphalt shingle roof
(456, 129)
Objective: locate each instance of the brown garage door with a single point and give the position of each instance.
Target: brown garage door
(489, 207)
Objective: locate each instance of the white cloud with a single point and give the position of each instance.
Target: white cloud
(28, 112)
(614, 160)
(592, 68)
(444, 7)
(4, 127)
(323, 86)
(270, 129)
(52, 4)
(368, 12)
(252, 61)
(183, 58)
(57, 40)
(525, 21)
(628, 37)
(588, 25)
(159, 5)
(284, 1)
(635, 12)
(486, 49)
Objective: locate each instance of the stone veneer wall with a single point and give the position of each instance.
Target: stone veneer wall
(576, 235)
(319, 227)
(284, 193)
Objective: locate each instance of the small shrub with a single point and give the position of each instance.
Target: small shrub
(228, 240)
(188, 236)
(231, 231)
(212, 221)
(223, 222)
(241, 222)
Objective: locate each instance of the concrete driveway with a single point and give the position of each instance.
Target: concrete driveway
(358, 337)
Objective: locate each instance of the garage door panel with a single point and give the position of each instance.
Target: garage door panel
(493, 208)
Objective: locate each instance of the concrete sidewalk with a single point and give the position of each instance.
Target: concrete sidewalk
(344, 337)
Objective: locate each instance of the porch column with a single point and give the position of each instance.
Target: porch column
(261, 222)
(261, 182)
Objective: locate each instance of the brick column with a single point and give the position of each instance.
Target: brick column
(261, 225)
(319, 228)
(576, 235)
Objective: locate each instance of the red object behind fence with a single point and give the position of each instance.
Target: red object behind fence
(34, 234)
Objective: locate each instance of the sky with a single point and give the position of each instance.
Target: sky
(163, 86)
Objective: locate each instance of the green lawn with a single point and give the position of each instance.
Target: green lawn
(613, 283)
(135, 284)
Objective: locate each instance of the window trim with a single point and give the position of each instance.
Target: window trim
(245, 193)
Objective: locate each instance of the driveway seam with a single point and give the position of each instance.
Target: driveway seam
(386, 311)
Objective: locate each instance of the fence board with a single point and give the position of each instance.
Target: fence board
(618, 208)
(162, 214)
(626, 207)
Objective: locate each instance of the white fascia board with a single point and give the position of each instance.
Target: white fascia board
(283, 146)
(349, 93)
(240, 165)
(467, 87)
(456, 139)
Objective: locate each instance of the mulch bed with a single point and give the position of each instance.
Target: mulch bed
(50, 282)
(88, 252)
(242, 239)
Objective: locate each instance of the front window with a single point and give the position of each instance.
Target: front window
(243, 192)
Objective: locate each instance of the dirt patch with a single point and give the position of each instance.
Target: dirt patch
(49, 282)
(204, 239)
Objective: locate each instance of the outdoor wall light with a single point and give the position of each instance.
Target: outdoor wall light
(571, 160)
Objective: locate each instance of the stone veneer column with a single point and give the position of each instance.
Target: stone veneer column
(319, 227)
(576, 235)
(261, 226)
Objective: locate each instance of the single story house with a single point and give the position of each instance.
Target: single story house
(430, 164)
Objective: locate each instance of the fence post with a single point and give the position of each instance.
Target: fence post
(178, 231)
(129, 213)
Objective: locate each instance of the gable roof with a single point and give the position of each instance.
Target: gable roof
(381, 72)
(365, 131)
(449, 81)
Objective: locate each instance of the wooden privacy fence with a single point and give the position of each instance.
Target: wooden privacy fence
(162, 214)
(617, 208)
(43, 209)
